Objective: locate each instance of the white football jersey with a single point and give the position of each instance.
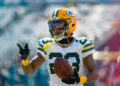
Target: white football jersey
(74, 53)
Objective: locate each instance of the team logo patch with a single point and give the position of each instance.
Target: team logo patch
(70, 13)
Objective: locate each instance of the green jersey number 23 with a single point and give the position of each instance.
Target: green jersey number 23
(67, 57)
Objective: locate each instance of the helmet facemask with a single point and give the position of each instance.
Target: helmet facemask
(52, 28)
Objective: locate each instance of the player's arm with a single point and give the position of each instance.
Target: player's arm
(34, 64)
(91, 76)
(87, 51)
(92, 68)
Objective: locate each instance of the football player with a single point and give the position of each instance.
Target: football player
(78, 51)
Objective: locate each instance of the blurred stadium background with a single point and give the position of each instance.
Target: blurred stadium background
(24, 21)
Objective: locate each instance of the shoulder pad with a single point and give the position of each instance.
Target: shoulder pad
(82, 40)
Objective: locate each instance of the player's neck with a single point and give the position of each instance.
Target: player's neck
(66, 41)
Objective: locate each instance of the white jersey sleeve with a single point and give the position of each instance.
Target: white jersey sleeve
(88, 47)
(40, 46)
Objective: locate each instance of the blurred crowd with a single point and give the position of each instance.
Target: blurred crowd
(12, 75)
(27, 21)
(109, 73)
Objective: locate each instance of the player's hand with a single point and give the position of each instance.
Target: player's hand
(73, 79)
(24, 52)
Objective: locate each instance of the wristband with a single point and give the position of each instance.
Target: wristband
(25, 62)
(83, 79)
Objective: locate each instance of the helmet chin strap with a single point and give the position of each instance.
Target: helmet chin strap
(60, 37)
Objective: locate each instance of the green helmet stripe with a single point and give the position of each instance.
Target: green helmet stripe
(57, 12)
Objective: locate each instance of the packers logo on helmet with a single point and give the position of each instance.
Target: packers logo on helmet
(70, 13)
(62, 15)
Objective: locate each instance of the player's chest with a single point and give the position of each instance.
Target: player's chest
(72, 54)
(72, 48)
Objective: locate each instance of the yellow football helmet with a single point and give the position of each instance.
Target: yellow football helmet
(59, 16)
